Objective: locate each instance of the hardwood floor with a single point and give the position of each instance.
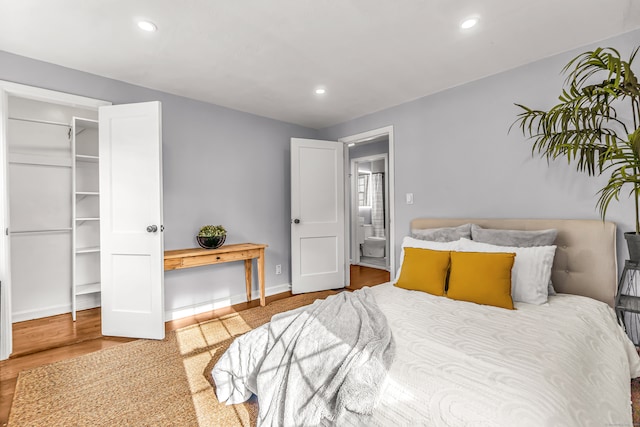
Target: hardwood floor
(365, 276)
(51, 339)
(55, 331)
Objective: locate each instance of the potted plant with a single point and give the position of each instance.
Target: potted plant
(596, 126)
(211, 236)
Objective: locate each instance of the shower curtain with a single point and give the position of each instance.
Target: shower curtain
(377, 204)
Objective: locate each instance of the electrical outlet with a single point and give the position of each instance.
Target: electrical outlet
(409, 198)
(278, 269)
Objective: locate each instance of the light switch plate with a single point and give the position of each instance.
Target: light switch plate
(409, 198)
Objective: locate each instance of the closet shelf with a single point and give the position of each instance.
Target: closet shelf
(88, 250)
(87, 158)
(42, 122)
(88, 288)
(81, 195)
(86, 198)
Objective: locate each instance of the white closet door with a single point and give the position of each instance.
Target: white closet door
(132, 255)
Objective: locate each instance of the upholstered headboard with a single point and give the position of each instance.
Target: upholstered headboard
(585, 262)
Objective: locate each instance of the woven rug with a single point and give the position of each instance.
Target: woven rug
(144, 382)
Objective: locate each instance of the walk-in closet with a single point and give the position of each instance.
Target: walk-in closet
(53, 208)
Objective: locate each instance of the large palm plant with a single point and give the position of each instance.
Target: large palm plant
(595, 125)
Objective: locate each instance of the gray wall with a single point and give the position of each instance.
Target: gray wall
(220, 167)
(454, 153)
(366, 149)
(377, 166)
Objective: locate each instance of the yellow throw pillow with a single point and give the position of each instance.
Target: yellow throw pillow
(424, 270)
(481, 277)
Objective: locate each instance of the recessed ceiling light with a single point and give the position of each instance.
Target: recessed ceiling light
(469, 23)
(320, 91)
(147, 26)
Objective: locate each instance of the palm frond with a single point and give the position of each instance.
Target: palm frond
(585, 127)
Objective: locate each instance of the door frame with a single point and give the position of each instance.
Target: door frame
(8, 89)
(358, 139)
(354, 205)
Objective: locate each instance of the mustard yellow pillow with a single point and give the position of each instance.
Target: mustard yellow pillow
(481, 277)
(424, 270)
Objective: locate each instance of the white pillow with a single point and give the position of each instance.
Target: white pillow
(410, 242)
(531, 270)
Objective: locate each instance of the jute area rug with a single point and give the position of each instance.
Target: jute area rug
(144, 382)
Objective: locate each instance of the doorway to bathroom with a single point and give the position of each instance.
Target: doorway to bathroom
(369, 171)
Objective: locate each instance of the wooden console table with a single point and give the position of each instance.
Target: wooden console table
(195, 257)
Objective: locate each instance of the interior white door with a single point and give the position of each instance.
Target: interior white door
(131, 244)
(317, 215)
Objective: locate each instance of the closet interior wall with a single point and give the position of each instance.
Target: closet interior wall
(42, 202)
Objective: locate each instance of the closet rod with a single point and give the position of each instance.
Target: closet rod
(51, 230)
(17, 162)
(46, 122)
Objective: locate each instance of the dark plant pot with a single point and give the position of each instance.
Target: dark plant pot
(633, 243)
(212, 242)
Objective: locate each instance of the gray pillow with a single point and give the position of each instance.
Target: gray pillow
(518, 238)
(445, 234)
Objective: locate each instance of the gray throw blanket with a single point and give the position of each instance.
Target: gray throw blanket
(320, 364)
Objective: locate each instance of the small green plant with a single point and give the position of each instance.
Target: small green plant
(212, 231)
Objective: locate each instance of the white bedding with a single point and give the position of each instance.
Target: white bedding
(565, 363)
(320, 364)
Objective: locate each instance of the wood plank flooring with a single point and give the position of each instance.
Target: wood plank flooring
(51, 339)
(365, 276)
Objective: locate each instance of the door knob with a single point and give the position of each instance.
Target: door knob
(152, 228)
(296, 221)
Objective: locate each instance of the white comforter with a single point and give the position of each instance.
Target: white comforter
(565, 363)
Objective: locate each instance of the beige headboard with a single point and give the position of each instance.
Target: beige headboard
(585, 262)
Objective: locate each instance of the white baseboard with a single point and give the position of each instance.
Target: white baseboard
(88, 301)
(84, 302)
(54, 310)
(173, 314)
(203, 307)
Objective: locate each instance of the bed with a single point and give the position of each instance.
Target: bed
(561, 362)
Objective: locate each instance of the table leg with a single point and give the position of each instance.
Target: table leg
(247, 277)
(261, 277)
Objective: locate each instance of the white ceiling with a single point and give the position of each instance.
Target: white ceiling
(267, 56)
